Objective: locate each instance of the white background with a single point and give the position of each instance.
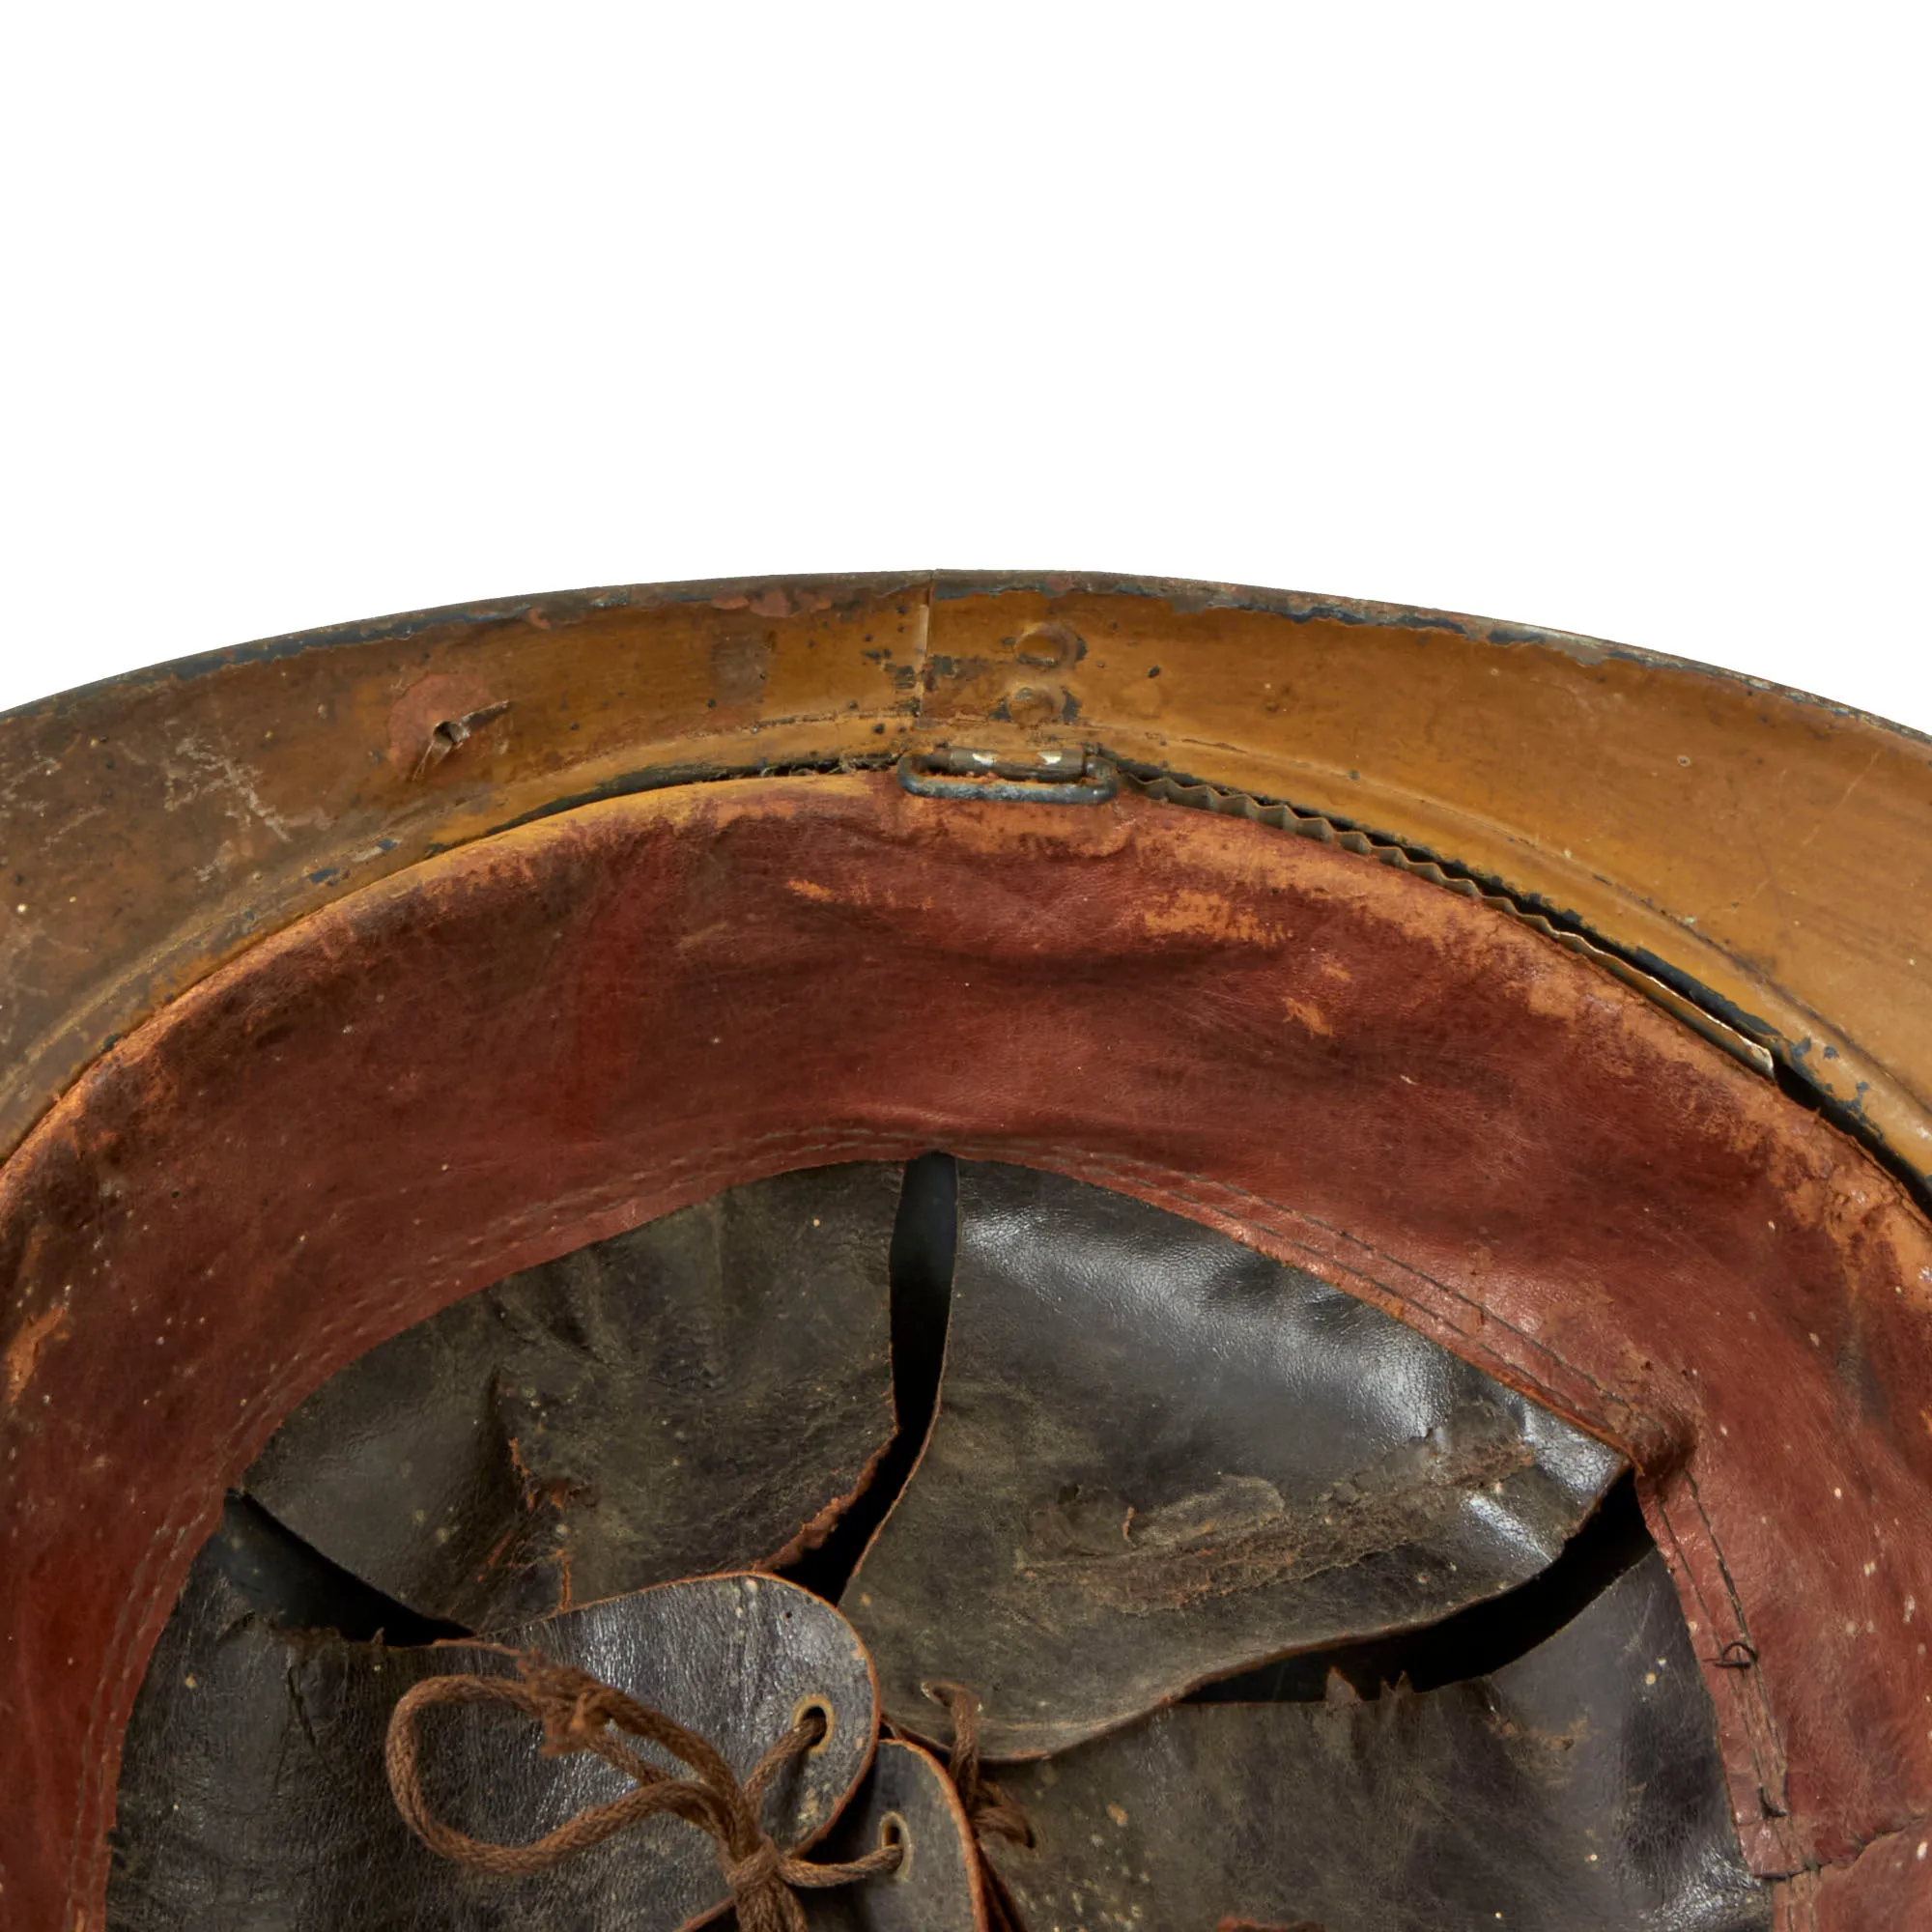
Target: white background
(1608, 319)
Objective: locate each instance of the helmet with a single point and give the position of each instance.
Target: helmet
(1286, 1241)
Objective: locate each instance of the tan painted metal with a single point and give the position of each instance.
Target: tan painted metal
(1772, 848)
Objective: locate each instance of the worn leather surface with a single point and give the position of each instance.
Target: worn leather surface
(254, 1797)
(1885, 1886)
(1578, 1789)
(1162, 1458)
(938, 1888)
(558, 1034)
(696, 1395)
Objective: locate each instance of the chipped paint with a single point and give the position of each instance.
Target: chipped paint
(191, 809)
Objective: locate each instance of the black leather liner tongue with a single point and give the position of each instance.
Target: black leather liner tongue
(1578, 1789)
(1160, 1458)
(694, 1396)
(253, 1796)
(938, 1889)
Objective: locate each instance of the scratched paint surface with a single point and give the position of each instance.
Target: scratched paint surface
(1770, 847)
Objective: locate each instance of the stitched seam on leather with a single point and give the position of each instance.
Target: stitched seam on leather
(1752, 1698)
(1128, 1165)
(1749, 1703)
(1795, 1902)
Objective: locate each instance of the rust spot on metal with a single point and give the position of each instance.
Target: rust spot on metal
(775, 600)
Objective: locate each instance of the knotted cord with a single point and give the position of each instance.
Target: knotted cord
(580, 1713)
(988, 1809)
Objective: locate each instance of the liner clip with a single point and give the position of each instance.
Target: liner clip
(1070, 776)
